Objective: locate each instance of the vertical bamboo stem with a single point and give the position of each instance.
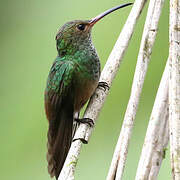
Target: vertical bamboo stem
(157, 134)
(174, 87)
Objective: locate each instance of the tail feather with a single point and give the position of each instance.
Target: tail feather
(59, 140)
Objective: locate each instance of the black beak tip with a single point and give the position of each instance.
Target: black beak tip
(97, 18)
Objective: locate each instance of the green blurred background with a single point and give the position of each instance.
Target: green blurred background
(27, 50)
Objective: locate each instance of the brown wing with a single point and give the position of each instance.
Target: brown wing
(59, 106)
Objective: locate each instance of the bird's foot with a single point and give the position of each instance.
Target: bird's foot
(104, 85)
(88, 121)
(81, 139)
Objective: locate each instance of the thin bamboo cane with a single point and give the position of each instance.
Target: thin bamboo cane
(174, 87)
(157, 135)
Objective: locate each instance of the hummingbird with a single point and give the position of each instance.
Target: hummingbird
(72, 80)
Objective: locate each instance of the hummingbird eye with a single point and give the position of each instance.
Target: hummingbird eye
(81, 27)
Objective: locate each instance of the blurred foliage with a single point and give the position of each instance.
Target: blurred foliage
(27, 50)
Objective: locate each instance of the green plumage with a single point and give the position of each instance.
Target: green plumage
(72, 80)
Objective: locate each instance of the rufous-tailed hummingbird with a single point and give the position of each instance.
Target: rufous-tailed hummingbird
(72, 80)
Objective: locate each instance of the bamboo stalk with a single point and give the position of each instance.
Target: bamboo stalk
(97, 101)
(157, 135)
(174, 87)
(148, 38)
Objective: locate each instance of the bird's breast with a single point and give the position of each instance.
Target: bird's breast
(84, 89)
(86, 80)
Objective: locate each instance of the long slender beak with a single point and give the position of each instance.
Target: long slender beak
(100, 16)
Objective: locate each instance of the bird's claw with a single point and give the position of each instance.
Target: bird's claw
(88, 121)
(104, 85)
(81, 139)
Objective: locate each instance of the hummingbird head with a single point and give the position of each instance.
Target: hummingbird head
(77, 34)
(74, 28)
(71, 35)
